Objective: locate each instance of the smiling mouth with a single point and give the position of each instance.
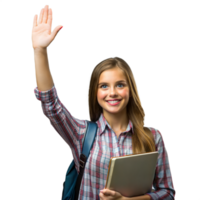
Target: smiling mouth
(113, 103)
(114, 100)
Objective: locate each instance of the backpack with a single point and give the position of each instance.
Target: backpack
(72, 183)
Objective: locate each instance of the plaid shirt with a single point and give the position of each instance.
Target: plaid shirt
(106, 145)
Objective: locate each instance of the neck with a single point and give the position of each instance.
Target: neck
(117, 121)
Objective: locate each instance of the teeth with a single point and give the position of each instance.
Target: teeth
(113, 101)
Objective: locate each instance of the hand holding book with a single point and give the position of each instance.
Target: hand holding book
(107, 194)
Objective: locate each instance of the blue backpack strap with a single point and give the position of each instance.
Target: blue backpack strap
(89, 138)
(87, 145)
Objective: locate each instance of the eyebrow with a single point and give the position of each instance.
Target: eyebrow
(116, 82)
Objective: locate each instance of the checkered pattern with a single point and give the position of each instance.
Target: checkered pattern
(106, 145)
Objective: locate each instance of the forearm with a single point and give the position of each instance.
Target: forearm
(43, 74)
(143, 197)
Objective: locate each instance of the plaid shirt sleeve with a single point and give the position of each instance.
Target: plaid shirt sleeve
(70, 129)
(163, 185)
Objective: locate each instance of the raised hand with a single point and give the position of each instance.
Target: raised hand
(41, 32)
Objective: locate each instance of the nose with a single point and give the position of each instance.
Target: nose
(113, 92)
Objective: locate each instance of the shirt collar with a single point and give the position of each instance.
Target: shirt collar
(102, 123)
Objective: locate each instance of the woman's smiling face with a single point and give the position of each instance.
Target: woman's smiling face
(113, 86)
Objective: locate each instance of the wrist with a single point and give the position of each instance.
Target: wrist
(40, 53)
(40, 50)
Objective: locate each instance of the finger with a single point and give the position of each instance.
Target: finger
(44, 20)
(55, 31)
(109, 192)
(49, 20)
(35, 21)
(40, 15)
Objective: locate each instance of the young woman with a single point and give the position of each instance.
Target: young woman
(114, 105)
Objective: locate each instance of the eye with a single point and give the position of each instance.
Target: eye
(118, 84)
(102, 86)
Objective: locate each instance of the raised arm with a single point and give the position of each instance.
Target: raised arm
(41, 38)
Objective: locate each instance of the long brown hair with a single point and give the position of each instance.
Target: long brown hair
(142, 140)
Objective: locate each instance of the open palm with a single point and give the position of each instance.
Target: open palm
(41, 32)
